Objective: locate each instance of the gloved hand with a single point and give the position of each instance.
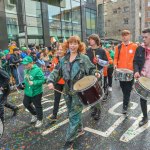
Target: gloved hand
(95, 60)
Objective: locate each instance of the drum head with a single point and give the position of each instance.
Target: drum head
(84, 83)
(124, 70)
(145, 82)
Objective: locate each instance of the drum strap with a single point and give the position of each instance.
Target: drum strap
(119, 49)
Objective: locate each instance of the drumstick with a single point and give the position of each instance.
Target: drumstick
(59, 91)
(96, 64)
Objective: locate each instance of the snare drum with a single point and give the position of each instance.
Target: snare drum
(88, 90)
(122, 74)
(142, 87)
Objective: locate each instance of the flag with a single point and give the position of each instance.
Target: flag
(53, 40)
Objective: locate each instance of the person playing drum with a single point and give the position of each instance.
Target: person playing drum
(72, 67)
(124, 55)
(98, 57)
(142, 68)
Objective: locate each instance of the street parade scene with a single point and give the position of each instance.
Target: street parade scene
(74, 74)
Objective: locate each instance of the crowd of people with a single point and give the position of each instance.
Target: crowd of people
(60, 69)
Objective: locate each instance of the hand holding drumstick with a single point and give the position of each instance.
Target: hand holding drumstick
(51, 87)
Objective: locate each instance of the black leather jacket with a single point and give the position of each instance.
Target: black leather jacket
(139, 59)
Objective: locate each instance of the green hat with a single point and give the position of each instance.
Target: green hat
(23, 48)
(1, 55)
(108, 45)
(27, 60)
(6, 51)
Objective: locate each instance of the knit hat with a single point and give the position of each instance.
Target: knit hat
(108, 45)
(23, 48)
(1, 55)
(6, 51)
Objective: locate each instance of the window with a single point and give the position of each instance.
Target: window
(126, 20)
(114, 11)
(148, 3)
(126, 9)
(90, 21)
(148, 14)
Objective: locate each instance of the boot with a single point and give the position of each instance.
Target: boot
(143, 121)
(97, 116)
(124, 110)
(94, 111)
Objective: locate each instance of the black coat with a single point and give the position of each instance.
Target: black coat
(14, 59)
(100, 52)
(4, 79)
(139, 59)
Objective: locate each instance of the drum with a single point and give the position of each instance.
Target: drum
(88, 90)
(142, 87)
(122, 74)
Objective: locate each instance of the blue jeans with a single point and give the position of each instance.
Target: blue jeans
(15, 75)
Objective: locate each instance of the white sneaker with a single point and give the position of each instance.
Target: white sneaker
(110, 89)
(33, 119)
(38, 123)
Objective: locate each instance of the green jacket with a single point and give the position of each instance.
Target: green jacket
(36, 75)
(72, 72)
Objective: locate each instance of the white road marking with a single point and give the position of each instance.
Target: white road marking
(48, 95)
(110, 130)
(49, 108)
(60, 124)
(135, 130)
(112, 109)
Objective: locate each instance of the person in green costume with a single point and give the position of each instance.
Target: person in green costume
(33, 82)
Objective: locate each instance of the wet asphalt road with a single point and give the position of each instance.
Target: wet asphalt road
(113, 131)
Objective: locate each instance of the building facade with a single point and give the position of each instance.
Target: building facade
(38, 21)
(117, 15)
(147, 13)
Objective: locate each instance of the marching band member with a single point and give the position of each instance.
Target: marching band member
(98, 57)
(124, 55)
(72, 67)
(142, 68)
(60, 84)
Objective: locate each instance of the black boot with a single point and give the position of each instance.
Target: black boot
(143, 121)
(15, 111)
(97, 116)
(94, 111)
(124, 110)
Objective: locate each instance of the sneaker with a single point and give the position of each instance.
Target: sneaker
(68, 146)
(52, 117)
(143, 121)
(39, 123)
(110, 89)
(80, 132)
(33, 119)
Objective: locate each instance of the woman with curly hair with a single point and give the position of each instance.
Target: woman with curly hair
(72, 67)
